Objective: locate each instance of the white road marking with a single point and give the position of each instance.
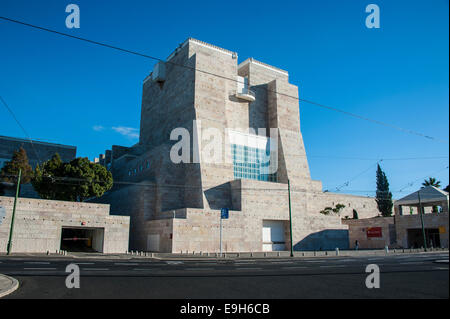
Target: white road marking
(127, 264)
(412, 262)
(173, 262)
(281, 262)
(248, 268)
(39, 268)
(294, 267)
(84, 263)
(88, 269)
(332, 266)
(199, 269)
(143, 269)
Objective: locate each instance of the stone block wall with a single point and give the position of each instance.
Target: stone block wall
(358, 231)
(38, 224)
(431, 220)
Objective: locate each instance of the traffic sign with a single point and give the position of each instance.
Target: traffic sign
(224, 213)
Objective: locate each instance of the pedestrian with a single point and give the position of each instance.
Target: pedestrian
(356, 245)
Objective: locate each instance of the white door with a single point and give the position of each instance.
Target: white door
(153, 242)
(273, 235)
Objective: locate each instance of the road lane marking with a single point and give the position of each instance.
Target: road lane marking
(412, 262)
(294, 267)
(84, 263)
(248, 268)
(88, 269)
(39, 268)
(143, 269)
(199, 269)
(127, 264)
(333, 266)
(173, 262)
(281, 262)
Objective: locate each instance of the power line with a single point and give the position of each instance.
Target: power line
(355, 177)
(73, 181)
(21, 126)
(227, 78)
(422, 178)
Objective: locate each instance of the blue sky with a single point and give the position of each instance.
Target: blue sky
(66, 91)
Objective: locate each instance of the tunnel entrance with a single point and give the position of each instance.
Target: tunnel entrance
(79, 239)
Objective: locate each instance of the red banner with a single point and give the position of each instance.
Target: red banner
(374, 232)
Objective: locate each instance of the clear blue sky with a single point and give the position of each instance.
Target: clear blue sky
(70, 92)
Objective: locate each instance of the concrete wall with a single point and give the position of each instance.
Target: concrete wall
(431, 220)
(358, 232)
(38, 224)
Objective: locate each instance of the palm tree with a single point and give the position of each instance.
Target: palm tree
(431, 181)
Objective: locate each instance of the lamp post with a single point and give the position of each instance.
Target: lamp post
(290, 218)
(421, 221)
(8, 250)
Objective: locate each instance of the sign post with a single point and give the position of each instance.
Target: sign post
(223, 215)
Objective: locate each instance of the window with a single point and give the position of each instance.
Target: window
(251, 163)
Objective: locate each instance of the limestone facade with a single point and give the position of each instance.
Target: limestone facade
(38, 225)
(176, 206)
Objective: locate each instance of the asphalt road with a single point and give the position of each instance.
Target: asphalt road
(402, 276)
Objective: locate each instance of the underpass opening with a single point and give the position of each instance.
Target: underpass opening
(82, 239)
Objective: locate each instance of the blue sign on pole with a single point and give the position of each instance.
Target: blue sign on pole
(224, 213)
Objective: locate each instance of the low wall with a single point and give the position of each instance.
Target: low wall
(38, 224)
(357, 229)
(431, 220)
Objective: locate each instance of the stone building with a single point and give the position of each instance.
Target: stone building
(50, 225)
(37, 153)
(404, 229)
(200, 94)
(36, 150)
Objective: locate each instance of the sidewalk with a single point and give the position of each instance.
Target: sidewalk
(229, 255)
(7, 285)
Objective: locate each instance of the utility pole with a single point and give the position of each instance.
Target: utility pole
(14, 213)
(421, 220)
(290, 218)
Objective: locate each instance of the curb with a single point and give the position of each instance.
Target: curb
(11, 285)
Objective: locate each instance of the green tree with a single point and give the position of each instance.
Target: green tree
(45, 181)
(355, 214)
(10, 171)
(431, 181)
(447, 189)
(337, 210)
(74, 181)
(383, 195)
